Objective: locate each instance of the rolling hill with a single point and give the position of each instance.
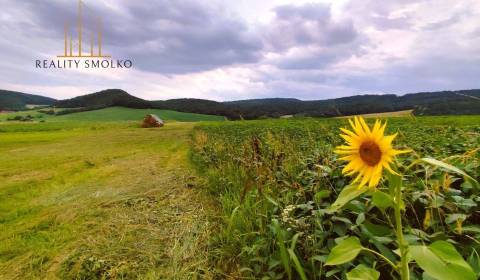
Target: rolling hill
(105, 98)
(12, 100)
(462, 102)
(425, 103)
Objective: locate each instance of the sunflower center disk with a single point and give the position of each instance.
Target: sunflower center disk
(370, 153)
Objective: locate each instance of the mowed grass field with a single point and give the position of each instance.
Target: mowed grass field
(115, 114)
(100, 201)
(128, 114)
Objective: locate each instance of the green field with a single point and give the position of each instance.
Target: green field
(94, 196)
(287, 208)
(100, 202)
(116, 114)
(128, 114)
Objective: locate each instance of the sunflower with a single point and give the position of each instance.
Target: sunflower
(368, 152)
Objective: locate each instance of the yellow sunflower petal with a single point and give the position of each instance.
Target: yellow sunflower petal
(394, 152)
(389, 168)
(382, 129)
(348, 132)
(376, 127)
(374, 180)
(367, 130)
(358, 128)
(349, 139)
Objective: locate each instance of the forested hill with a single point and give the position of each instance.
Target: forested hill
(424, 103)
(105, 98)
(12, 100)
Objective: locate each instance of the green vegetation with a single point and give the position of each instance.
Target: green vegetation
(11, 100)
(128, 114)
(112, 114)
(100, 201)
(90, 195)
(36, 115)
(461, 102)
(103, 99)
(289, 213)
(425, 103)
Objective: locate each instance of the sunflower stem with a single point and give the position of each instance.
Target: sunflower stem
(403, 246)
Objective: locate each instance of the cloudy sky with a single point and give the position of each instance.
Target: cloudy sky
(228, 50)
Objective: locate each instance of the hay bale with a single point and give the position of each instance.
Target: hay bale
(152, 120)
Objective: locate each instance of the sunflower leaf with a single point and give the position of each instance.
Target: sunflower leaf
(381, 200)
(441, 261)
(448, 167)
(345, 251)
(348, 193)
(362, 272)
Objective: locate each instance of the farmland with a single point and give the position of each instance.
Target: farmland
(285, 207)
(91, 201)
(96, 197)
(113, 114)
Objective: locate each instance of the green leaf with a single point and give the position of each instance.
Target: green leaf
(360, 219)
(441, 261)
(471, 229)
(378, 230)
(345, 251)
(321, 195)
(269, 198)
(298, 266)
(381, 200)
(474, 261)
(448, 254)
(362, 272)
(294, 241)
(282, 248)
(348, 193)
(452, 218)
(448, 167)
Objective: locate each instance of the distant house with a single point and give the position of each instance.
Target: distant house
(152, 120)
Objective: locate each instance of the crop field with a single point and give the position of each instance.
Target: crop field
(288, 212)
(404, 113)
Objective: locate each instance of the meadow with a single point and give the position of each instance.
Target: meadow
(92, 201)
(113, 114)
(288, 212)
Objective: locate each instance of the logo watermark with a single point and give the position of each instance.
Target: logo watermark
(83, 48)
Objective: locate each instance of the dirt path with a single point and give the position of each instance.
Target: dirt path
(120, 203)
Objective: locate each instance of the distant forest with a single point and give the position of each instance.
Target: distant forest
(462, 102)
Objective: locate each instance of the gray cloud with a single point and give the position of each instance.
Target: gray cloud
(308, 37)
(309, 24)
(309, 51)
(169, 37)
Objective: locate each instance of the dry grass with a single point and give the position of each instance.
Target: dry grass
(405, 113)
